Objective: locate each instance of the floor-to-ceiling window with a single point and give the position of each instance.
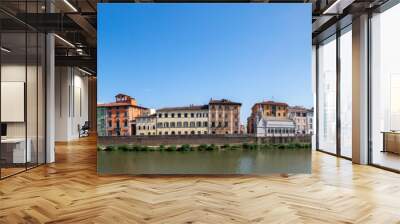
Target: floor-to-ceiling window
(385, 88)
(22, 91)
(334, 100)
(327, 95)
(345, 92)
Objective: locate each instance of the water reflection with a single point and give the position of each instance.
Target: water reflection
(206, 162)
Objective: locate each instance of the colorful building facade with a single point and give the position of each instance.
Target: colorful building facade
(121, 115)
(224, 117)
(265, 109)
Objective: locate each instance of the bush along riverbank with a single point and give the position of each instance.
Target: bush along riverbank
(203, 147)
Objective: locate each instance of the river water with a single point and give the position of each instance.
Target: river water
(266, 161)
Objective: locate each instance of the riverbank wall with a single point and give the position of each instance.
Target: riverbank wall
(155, 140)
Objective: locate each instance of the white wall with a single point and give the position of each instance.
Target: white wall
(17, 73)
(71, 103)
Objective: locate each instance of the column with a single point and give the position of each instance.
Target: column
(360, 90)
(50, 98)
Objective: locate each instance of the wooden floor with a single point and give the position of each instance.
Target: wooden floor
(70, 191)
(387, 159)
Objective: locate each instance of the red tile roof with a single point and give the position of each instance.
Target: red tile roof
(192, 107)
(119, 104)
(270, 102)
(224, 101)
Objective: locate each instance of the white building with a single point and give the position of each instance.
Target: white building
(275, 127)
(146, 125)
(302, 118)
(182, 120)
(310, 118)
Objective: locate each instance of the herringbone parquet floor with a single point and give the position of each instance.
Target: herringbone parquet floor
(70, 191)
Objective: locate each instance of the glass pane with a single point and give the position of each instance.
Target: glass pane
(41, 98)
(327, 95)
(31, 98)
(385, 84)
(13, 86)
(346, 93)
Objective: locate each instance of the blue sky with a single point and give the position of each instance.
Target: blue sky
(180, 54)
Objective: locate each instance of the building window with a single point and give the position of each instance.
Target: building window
(213, 124)
(199, 124)
(139, 127)
(173, 115)
(192, 115)
(118, 125)
(166, 133)
(179, 133)
(160, 133)
(166, 124)
(226, 115)
(179, 114)
(179, 124)
(205, 123)
(192, 124)
(126, 123)
(172, 124)
(159, 115)
(110, 124)
(117, 114)
(126, 114)
(219, 124)
(205, 132)
(165, 114)
(154, 127)
(185, 124)
(159, 124)
(226, 124)
(192, 132)
(109, 113)
(186, 115)
(173, 133)
(199, 132)
(186, 132)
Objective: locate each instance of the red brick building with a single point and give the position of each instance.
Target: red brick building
(121, 115)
